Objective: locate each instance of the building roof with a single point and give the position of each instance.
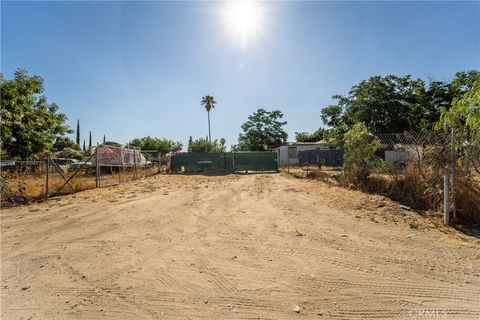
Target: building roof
(293, 144)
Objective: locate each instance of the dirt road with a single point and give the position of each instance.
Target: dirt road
(232, 247)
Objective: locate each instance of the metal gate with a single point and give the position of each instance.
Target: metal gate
(255, 161)
(230, 162)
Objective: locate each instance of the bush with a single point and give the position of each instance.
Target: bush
(203, 145)
(70, 153)
(359, 148)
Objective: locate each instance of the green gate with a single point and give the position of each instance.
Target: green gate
(198, 162)
(238, 161)
(255, 161)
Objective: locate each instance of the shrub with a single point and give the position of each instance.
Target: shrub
(359, 148)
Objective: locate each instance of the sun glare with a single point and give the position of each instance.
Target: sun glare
(244, 19)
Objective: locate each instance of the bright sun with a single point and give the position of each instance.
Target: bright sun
(244, 19)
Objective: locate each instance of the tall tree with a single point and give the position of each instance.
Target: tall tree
(29, 124)
(209, 103)
(84, 148)
(103, 138)
(262, 130)
(78, 133)
(89, 140)
(388, 104)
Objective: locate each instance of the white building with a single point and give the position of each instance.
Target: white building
(403, 153)
(287, 155)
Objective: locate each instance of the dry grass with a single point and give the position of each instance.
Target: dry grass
(30, 187)
(416, 185)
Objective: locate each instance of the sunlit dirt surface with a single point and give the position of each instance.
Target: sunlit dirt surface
(232, 247)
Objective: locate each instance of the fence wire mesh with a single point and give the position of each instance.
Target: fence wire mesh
(427, 157)
(22, 181)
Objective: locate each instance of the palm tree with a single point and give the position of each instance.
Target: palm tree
(209, 103)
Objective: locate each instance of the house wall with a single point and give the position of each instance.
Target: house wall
(282, 154)
(404, 153)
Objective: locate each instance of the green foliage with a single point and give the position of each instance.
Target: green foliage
(163, 145)
(465, 111)
(78, 133)
(359, 147)
(464, 118)
(64, 142)
(334, 137)
(30, 125)
(310, 137)
(262, 130)
(359, 144)
(70, 153)
(391, 104)
(113, 143)
(208, 102)
(203, 145)
(332, 115)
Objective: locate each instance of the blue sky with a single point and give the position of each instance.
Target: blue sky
(131, 69)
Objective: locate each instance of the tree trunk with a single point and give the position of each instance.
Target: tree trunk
(209, 134)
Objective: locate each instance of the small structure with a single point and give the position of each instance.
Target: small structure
(110, 155)
(403, 153)
(287, 155)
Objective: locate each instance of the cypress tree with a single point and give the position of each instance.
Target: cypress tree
(103, 138)
(78, 132)
(84, 145)
(90, 140)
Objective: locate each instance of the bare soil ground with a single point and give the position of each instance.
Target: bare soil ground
(232, 247)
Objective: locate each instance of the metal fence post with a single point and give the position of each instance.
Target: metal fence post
(233, 161)
(135, 161)
(46, 177)
(454, 174)
(159, 159)
(446, 213)
(97, 168)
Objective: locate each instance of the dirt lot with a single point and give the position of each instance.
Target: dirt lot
(232, 247)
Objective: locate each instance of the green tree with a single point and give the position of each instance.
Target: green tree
(104, 139)
(29, 124)
(63, 143)
(163, 145)
(332, 115)
(78, 133)
(84, 149)
(464, 118)
(359, 147)
(262, 130)
(209, 103)
(89, 140)
(385, 104)
(390, 104)
(203, 145)
(315, 136)
(70, 153)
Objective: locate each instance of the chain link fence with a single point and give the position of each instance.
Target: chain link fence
(106, 165)
(415, 163)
